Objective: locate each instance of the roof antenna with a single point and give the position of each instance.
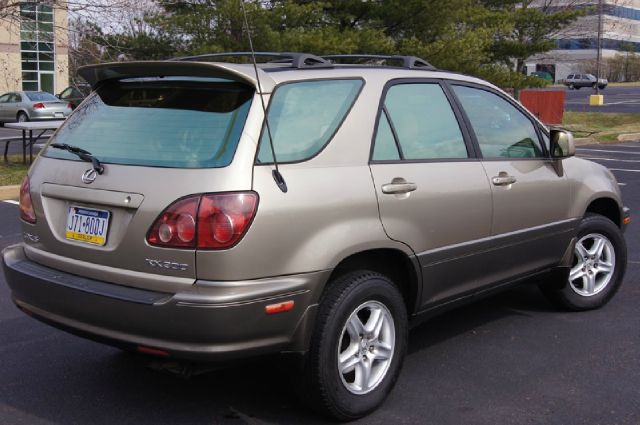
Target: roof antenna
(275, 173)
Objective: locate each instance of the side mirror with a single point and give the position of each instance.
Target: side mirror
(562, 145)
(58, 95)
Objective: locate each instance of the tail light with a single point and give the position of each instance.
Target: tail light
(70, 105)
(209, 221)
(26, 206)
(38, 105)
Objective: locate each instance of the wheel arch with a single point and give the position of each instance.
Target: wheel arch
(606, 207)
(22, 111)
(392, 263)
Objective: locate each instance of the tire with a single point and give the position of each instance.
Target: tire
(346, 312)
(571, 86)
(22, 117)
(597, 271)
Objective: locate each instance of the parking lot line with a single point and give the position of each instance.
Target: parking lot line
(602, 150)
(622, 169)
(592, 158)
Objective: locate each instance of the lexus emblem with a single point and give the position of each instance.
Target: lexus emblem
(89, 176)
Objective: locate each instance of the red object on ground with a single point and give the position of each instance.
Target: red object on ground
(547, 105)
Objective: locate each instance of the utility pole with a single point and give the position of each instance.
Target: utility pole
(599, 57)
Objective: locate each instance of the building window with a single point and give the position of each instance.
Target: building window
(591, 43)
(37, 46)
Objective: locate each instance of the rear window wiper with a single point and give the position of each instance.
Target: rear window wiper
(82, 154)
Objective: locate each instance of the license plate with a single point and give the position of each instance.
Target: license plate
(87, 225)
(59, 114)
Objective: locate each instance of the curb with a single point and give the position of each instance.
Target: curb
(9, 192)
(630, 137)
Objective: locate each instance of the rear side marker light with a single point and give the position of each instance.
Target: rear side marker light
(26, 206)
(208, 221)
(279, 307)
(152, 351)
(626, 221)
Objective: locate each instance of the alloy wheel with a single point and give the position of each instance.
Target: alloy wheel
(594, 265)
(366, 347)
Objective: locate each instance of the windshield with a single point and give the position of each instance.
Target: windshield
(188, 123)
(40, 95)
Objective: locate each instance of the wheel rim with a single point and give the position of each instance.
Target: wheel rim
(22, 118)
(593, 266)
(366, 347)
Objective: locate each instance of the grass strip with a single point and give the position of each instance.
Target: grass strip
(13, 171)
(603, 127)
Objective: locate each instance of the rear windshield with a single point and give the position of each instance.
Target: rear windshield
(163, 122)
(38, 95)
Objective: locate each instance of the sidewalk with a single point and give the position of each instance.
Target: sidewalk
(9, 192)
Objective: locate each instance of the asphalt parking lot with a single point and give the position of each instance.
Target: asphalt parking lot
(510, 359)
(616, 99)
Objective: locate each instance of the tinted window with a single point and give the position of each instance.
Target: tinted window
(160, 122)
(303, 116)
(385, 148)
(424, 122)
(501, 129)
(4, 98)
(66, 93)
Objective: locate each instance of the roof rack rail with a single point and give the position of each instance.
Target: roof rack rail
(297, 60)
(411, 62)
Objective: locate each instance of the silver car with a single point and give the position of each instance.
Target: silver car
(177, 215)
(24, 106)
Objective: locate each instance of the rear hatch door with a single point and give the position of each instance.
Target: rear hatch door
(159, 138)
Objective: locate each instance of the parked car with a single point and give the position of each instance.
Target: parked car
(167, 216)
(23, 106)
(543, 75)
(576, 81)
(74, 94)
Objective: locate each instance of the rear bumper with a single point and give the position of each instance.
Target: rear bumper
(212, 321)
(45, 115)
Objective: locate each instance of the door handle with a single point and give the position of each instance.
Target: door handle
(503, 179)
(398, 186)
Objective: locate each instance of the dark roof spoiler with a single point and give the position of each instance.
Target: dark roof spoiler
(96, 74)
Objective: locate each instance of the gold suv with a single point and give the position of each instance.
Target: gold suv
(207, 210)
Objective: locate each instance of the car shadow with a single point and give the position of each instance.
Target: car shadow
(519, 301)
(51, 377)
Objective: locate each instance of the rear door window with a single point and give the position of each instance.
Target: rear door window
(303, 116)
(418, 123)
(177, 122)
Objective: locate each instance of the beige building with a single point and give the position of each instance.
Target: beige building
(34, 52)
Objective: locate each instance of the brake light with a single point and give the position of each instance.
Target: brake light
(176, 226)
(70, 105)
(38, 105)
(209, 221)
(26, 206)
